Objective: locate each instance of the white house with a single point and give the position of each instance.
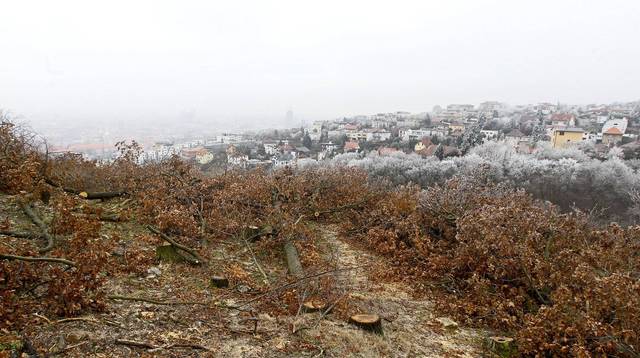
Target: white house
(283, 160)
(378, 136)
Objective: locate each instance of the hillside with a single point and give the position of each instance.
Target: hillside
(269, 325)
(121, 259)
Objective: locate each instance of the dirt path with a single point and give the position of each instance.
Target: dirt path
(411, 328)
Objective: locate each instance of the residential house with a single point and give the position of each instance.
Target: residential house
(620, 124)
(236, 158)
(378, 136)
(563, 120)
(545, 108)
(490, 134)
(565, 137)
(357, 135)
(423, 144)
(613, 135)
(328, 146)
(456, 127)
(351, 146)
(515, 136)
(270, 147)
(283, 160)
(302, 152)
(203, 156)
(417, 134)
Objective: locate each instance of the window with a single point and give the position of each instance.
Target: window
(561, 132)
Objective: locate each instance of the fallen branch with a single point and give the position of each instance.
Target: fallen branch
(21, 234)
(255, 260)
(38, 259)
(78, 319)
(293, 283)
(127, 342)
(26, 208)
(153, 301)
(166, 237)
(66, 349)
(167, 303)
(135, 344)
(102, 194)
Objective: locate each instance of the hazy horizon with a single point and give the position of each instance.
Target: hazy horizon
(251, 61)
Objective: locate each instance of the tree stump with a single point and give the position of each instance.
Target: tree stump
(502, 346)
(169, 253)
(219, 281)
(368, 322)
(45, 196)
(314, 305)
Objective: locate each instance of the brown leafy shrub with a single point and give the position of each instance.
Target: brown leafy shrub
(562, 286)
(20, 162)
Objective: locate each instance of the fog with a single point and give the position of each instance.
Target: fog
(239, 62)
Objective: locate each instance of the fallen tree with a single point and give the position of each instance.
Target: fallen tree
(88, 194)
(44, 230)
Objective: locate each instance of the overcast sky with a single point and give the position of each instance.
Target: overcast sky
(136, 60)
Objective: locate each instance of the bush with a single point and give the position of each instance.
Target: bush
(504, 260)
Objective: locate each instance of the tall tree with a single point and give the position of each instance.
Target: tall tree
(306, 140)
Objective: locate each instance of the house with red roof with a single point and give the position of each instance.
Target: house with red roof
(613, 130)
(351, 146)
(563, 120)
(612, 135)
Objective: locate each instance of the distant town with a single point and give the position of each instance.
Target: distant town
(442, 132)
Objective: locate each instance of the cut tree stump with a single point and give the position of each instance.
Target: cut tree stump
(254, 233)
(169, 253)
(293, 259)
(219, 281)
(502, 346)
(314, 305)
(368, 322)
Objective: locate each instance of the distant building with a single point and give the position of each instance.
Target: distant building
(613, 135)
(423, 144)
(378, 136)
(460, 107)
(328, 147)
(351, 146)
(270, 148)
(417, 134)
(565, 137)
(490, 134)
(283, 160)
(563, 120)
(620, 124)
(456, 127)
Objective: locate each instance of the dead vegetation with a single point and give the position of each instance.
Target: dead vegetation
(248, 264)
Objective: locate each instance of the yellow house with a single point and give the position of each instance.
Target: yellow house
(456, 127)
(423, 144)
(565, 137)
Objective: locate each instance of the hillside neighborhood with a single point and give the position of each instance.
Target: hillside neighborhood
(443, 132)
